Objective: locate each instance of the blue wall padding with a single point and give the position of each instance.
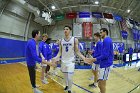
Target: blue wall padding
(12, 61)
(12, 48)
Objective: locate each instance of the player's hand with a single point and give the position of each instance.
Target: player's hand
(43, 58)
(90, 60)
(54, 60)
(53, 64)
(43, 61)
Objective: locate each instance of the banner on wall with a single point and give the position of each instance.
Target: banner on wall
(97, 14)
(108, 16)
(87, 30)
(71, 15)
(124, 34)
(116, 45)
(135, 34)
(138, 34)
(77, 30)
(82, 46)
(59, 17)
(117, 17)
(124, 25)
(84, 14)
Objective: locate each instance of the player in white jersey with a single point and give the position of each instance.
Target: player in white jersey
(67, 48)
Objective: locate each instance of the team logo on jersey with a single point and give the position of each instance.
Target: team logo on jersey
(67, 45)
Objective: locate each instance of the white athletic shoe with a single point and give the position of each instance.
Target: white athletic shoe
(44, 81)
(37, 90)
(37, 86)
(91, 78)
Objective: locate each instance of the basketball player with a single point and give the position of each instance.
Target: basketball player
(55, 49)
(106, 60)
(49, 56)
(96, 53)
(68, 46)
(130, 51)
(31, 57)
(43, 51)
(121, 51)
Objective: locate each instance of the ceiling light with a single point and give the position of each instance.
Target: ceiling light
(53, 7)
(96, 2)
(128, 10)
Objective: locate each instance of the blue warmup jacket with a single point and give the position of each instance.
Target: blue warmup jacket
(55, 47)
(130, 51)
(120, 49)
(45, 50)
(107, 55)
(31, 53)
(97, 51)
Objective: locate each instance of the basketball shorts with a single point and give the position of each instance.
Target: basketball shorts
(95, 67)
(104, 73)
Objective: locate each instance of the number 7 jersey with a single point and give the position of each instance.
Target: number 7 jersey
(68, 54)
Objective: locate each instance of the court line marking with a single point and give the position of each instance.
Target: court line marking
(134, 88)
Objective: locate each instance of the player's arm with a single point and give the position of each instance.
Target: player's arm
(57, 58)
(42, 56)
(77, 49)
(32, 48)
(40, 50)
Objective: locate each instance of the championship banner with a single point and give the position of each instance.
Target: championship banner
(87, 30)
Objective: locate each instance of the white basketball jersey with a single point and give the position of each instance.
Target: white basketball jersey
(68, 50)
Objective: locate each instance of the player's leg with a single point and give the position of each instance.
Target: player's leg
(122, 58)
(47, 71)
(31, 70)
(102, 86)
(43, 75)
(65, 74)
(103, 76)
(119, 58)
(32, 74)
(95, 68)
(66, 80)
(70, 81)
(131, 60)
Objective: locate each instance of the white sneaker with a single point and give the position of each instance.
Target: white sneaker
(91, 78)
(37, 90)
(55, 73)
(44, 81)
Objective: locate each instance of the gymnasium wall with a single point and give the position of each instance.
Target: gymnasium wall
(12, 48)
(13, 21)
(56, 31)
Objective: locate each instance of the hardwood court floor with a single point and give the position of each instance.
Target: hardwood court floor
(14, 78)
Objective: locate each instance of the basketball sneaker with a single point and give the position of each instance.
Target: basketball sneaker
(37, 90)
